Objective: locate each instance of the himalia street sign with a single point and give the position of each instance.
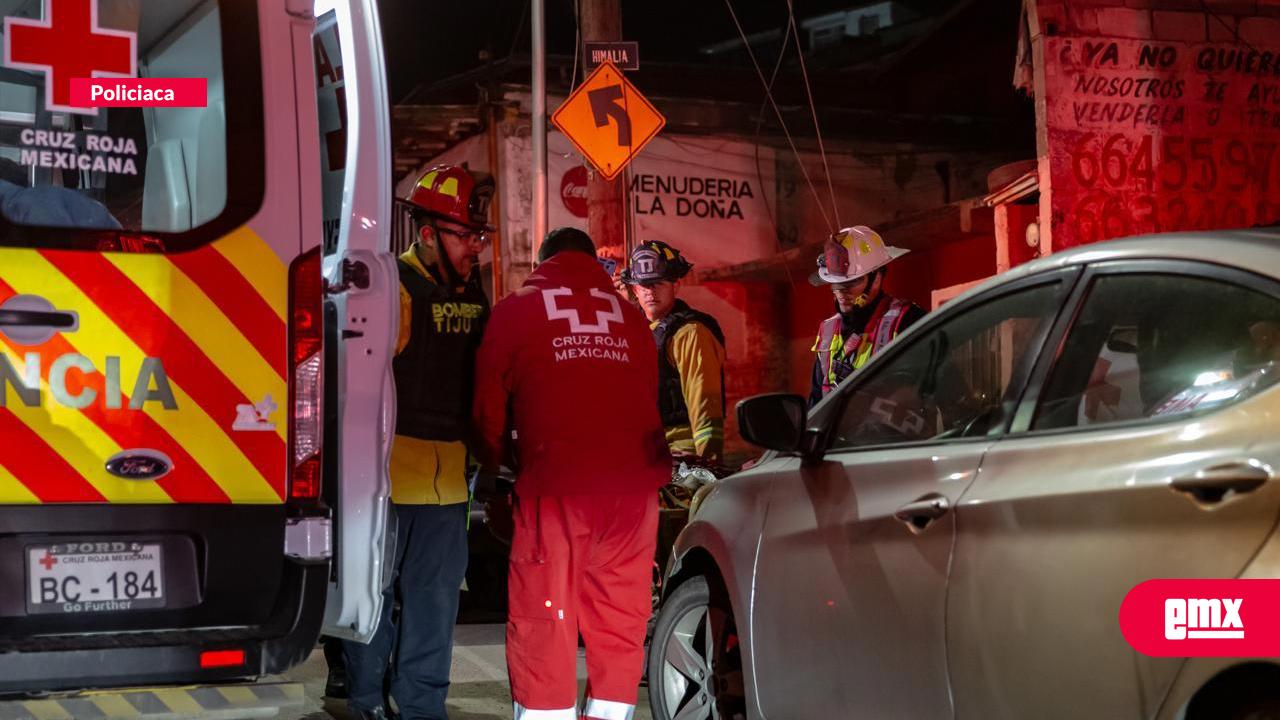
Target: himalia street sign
(625, 55)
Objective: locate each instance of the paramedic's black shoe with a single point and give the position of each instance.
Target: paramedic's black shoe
(375, 714)
(336, 686)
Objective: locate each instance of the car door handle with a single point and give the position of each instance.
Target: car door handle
(919, 514)
(1212, 485)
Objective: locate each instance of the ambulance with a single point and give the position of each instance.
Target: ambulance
(196, 314)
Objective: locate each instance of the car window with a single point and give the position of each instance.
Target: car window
(1155, 345)
(955, 379)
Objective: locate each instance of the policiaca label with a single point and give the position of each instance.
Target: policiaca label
(72, 151)
(151, 383)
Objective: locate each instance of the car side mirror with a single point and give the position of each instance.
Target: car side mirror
(774, 422)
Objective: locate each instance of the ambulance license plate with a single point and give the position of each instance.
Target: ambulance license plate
(92, 577)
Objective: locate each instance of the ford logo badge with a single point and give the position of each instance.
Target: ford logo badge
(139, 465)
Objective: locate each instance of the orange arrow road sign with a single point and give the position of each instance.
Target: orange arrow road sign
(608, 120)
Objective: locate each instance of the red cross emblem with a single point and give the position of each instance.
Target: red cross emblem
(68, 44)
(558, 309)
(48, 561)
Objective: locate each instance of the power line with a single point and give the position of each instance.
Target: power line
(755, 138)
(577, 43)
(822, 150)
(515, 40)
(781, 122)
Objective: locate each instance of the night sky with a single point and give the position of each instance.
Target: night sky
(430, 40)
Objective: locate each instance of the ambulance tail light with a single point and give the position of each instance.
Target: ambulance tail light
(221, 658)
(306, 337)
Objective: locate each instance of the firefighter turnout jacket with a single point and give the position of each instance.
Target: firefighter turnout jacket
(847, 341)
(691, 381)
(441, 325)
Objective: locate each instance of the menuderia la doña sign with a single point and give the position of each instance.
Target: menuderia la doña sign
(139, 92)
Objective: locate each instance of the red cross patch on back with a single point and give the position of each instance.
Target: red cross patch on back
(66, 44)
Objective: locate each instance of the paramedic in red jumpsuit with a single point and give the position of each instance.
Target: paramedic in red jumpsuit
(573, 365)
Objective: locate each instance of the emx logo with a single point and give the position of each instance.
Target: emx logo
(1203, 618)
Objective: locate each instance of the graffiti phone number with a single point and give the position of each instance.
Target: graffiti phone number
(1171, 163)
(1106, 215)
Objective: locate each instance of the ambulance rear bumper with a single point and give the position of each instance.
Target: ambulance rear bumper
(228, 581)
(43, 664)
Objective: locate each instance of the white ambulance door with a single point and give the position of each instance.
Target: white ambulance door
(361, 307)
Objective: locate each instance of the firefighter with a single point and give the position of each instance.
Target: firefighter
(442, 316)
(569, 364)
(854, 264)
(690, 353)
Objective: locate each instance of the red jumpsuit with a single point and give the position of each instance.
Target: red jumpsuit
(569, 365)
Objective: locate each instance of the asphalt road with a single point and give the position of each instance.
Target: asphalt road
(479, 676)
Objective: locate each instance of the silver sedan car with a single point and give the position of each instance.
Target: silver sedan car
(951, 533)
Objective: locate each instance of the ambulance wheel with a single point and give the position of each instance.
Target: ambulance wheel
(695, 661)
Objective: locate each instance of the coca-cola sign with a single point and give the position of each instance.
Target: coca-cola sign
(573, 191)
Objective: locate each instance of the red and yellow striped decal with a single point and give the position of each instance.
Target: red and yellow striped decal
(214, 317)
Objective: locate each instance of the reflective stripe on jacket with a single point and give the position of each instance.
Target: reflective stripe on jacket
(838, 357)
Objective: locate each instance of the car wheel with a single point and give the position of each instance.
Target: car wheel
(695, 661)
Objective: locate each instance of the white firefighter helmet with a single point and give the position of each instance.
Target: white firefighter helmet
(852, 253)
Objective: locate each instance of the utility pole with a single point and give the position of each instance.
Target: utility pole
(539, 112)
(606, 200)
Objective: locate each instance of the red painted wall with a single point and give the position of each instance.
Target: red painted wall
(1158, 119)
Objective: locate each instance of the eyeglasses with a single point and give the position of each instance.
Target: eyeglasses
(477, 238)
